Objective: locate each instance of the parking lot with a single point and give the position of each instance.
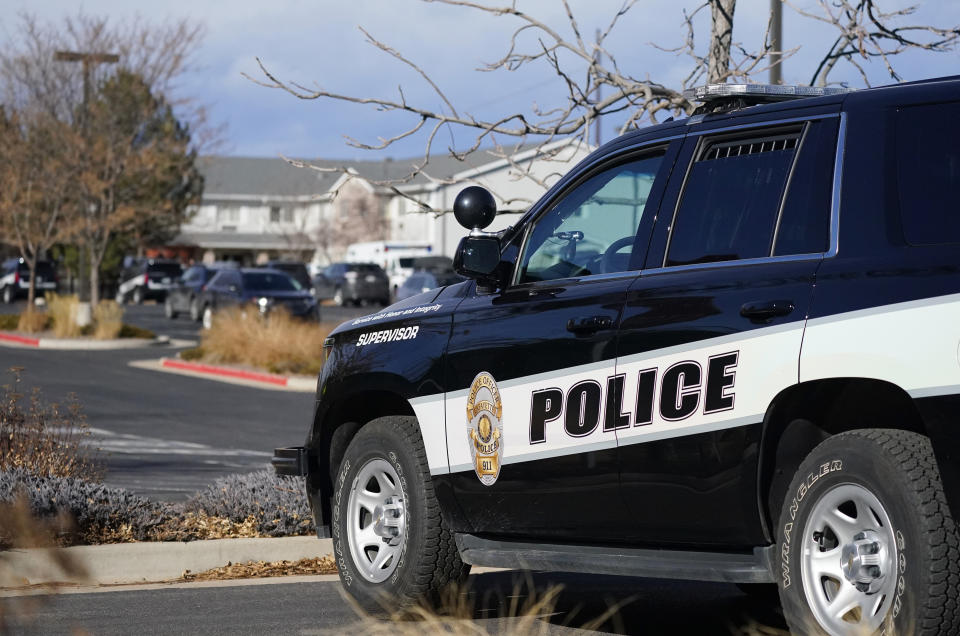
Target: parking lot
(167, 435)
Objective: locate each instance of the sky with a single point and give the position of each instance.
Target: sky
(319, 43)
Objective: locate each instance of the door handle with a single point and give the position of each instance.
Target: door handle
(765, 311)
(593, 324)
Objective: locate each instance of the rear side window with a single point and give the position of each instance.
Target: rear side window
(928, 173)
(731, 200)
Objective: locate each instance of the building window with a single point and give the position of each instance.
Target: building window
(288, 215)
(274, 214)
(228, 214)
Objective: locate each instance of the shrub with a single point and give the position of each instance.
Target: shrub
(278, 343)
(9, 322)
(63, 313)
(195, 353)
(31, 321)
(46, 439)
(108, 318)
(95, 509)
(130, 331)
(277, 504)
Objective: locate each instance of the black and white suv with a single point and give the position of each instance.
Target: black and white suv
(147, 279)
(15, 279)
(722, 348)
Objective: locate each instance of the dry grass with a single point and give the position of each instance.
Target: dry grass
(264, 569)
(32, 321)
(46, 439)
(63, 313)
(108, 320)
(278, 343)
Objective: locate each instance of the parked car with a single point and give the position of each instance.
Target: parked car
(184, 295)
(15, 279)
(424, 280)
(147, 279)
(260, 289)
(751, 375)
(297, 270)
(353, 283)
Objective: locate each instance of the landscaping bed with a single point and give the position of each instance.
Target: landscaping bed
(58, 320)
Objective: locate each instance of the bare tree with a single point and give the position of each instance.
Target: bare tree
(356, 215)
(583, 67)
(37, 181)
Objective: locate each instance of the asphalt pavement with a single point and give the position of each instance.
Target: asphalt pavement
(167, 435)
(619, 605)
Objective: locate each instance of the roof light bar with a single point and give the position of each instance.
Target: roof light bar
(760, 92)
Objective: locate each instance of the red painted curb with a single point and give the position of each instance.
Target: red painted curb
(10, 337)
(225, 371)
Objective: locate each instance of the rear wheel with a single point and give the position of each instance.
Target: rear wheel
(389, 538)
(866, 540)
(195, 313)
(338, 297)
(137, 298)
(8, 295)
(168, 309)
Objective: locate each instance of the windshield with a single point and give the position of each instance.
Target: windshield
(269, 281)
(364, 268)
(406, 262)
(167, 269)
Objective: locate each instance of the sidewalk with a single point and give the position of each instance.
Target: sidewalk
(148, 561)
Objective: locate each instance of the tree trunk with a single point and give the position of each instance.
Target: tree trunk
(721, 35)
(94, 284)
(32, 289)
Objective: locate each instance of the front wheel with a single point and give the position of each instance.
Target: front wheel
(195, 313)
(8, 295)
(338, 298)
(138, 296)
(866, 543)
(207, 319)
(168, 309)
(391, 544)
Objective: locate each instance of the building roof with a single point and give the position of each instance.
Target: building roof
(241, 240)
(265, 177)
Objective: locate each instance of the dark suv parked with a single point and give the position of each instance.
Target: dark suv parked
(720, 348)
(353, 283)
(147, 279)
(262, 289)
(15, 279)
(184, 294)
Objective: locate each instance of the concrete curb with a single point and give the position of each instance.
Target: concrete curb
(303, 384)
(9, 339)
(148, 562)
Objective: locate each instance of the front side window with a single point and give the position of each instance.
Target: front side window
(592, 229)
(731, 200)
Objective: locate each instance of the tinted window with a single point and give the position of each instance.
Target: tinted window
(269, 281)
(928, 173)
(406, 262)
(364, 268)
(167, 269)
(805, 221)
(731, 199)
(591, 230)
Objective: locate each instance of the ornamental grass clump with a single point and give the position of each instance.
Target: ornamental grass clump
(108, 320)
(32, 321)
(45, 438)
(63, 314)
(277, 343)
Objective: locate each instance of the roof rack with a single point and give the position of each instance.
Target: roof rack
(719, 98)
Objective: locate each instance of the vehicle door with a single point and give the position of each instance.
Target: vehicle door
(326, 282)
(712, 329)
(183, 288)
(532, 402)
(226, 289)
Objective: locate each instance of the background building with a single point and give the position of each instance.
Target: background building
(257, 209)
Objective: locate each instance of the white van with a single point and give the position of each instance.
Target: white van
(395, 257)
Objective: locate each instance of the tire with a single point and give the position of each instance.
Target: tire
(8, 295)
(338, 299)
(195, 314)
(168, 309)
(137, 298)
(120, 298)
(207, 317)
(874, 498)
(419, 552)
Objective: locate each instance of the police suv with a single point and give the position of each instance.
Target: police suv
(723, 348)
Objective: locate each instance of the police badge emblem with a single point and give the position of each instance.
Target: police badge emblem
(485, 427)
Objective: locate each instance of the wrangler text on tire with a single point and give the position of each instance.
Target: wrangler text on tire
(865, 541)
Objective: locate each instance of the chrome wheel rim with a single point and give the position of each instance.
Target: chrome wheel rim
(849, 558)
(376, 520)
(207, 318)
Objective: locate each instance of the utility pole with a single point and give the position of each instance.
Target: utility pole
(598, 57)
(776, 41)
(84, 313)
